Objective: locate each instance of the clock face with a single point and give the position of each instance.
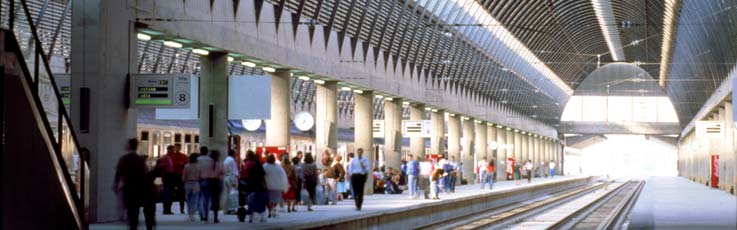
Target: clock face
(304, 121)
(251, 125)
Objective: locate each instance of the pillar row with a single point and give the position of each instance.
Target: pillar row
(417, 144)
(393, 133)
(363, 130)
(326, 119)
(277, 128)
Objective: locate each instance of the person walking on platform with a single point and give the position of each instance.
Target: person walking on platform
(211, 184)
(551, 165)
(230, 182)
(297, 162)
(435, 178)
(451, 170)
(528, 169)
(423, 183)
(253, 183)
(491, 170)
(309, 173)
(135, 182)
(334, 175)
(360, 167)
(191, 178)
(171, 167)
(289, 196)
(413, 173)
(517, 174)
(481, 169)
(276, 183)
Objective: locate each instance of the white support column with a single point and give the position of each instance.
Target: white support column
(277, 128)
(101, 48)
(480, 149)
(525, 151)
(363, 131)
(213, 79)
(468, 154)
(393, 133)
(517, 148)
(490, 137)
(326, 119)
(438, 132)
(454, 136)
(417, 144)
(536, 151)
(731, 168)
(501, 153)
(510, 151)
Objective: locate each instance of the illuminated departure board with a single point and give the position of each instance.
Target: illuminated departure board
(161, 90)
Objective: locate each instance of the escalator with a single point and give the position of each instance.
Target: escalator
(44, 171)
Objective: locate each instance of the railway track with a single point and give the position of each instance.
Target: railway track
(598, 206)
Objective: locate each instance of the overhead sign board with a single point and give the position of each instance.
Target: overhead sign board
(710, 129)
(378, 128)
(418, 128)
(161, 90)
(249, 97)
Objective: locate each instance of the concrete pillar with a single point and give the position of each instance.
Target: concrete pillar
(393, 132)
(417, 144)
(511, 148)
(479, 143)
(723, 154)
(454, 136)
(729, 144)
(326, 119)
(535, 151)
(363, 136)
(437, 145)
(501, 153)
(468, 154)
(531, 148)
(490, 136)
(525, 151)
(101, 48)
(214, 96)
(277, 128)
(517, 147)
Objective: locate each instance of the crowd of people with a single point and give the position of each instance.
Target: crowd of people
(257, 187)
(260, 186)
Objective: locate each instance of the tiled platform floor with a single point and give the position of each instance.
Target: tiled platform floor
(373, 204)
(676, 203)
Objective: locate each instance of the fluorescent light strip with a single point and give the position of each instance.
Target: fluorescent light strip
(201, 52)
(268, 69)
(248, 64)
(143, 37)
(319, 82)
(304, 78)
(603, 10)
(231, 59)
(173, 44)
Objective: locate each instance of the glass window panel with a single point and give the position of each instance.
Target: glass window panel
(620, 109)
(572, 112)
(666, 112)
(644, 109)
(595, 108)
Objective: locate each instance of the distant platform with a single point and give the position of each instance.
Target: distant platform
(326, 215)
(677, 203)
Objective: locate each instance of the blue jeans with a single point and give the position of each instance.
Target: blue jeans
(446, 183)
(412, 184)
(482, 178)
(552, 172)
(452, 182)
(490, 180)
(205, 197)
(435, 188)
(192, 189)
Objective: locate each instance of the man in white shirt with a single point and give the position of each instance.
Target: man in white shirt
(230, 182)
(481, 166)
(551, 165)
(359, 168)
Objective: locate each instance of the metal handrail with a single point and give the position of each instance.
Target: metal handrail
(62, 114)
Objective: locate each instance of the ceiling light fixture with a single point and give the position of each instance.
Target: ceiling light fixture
(319, 82)
(268, 69)
(143, 37)
(248, 64)
(173, 44)
(200, 51)
(358, 91)
(304, 78)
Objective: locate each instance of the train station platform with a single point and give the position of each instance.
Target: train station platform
(677, 203)
(380, 209)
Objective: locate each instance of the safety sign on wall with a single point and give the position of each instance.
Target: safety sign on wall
(161, 90)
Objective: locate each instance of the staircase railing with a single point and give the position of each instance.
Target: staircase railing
(16, 17)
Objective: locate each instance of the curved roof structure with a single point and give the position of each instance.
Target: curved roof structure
(529, 55)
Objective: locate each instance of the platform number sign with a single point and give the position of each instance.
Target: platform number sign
(161, 90)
